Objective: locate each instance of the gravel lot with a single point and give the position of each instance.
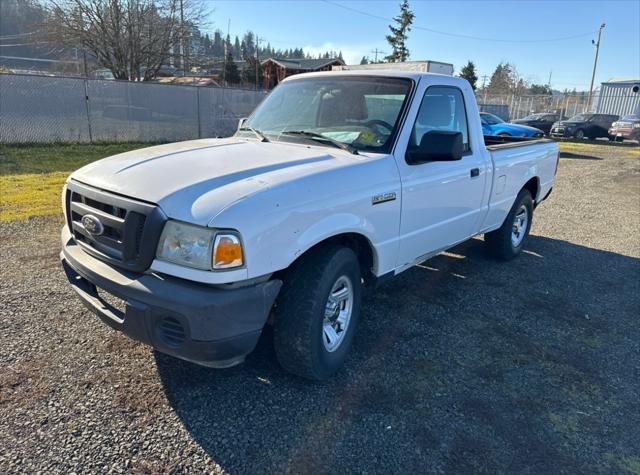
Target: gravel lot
(460, 365)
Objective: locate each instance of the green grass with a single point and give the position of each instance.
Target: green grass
(31, 176)
(25, 159)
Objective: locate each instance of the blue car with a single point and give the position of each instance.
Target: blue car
(494, 125)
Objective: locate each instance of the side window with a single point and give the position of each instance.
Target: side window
(442, 108)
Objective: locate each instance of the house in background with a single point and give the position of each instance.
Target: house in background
(276, 69)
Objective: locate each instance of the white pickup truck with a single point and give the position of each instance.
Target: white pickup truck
(336, 182)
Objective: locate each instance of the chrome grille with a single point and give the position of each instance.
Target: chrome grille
(130, 229)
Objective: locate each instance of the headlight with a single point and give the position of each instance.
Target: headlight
(636, 126)
(199, 247)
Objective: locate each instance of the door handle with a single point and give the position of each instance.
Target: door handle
(475, 172)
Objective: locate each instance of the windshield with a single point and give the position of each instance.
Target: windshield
(360, 111)
(491, 119)
(581, 118)
(533, 117)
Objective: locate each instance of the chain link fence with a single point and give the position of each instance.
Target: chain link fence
(63, 109)
(513, 107)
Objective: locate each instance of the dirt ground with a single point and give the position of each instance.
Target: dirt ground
(463, 364)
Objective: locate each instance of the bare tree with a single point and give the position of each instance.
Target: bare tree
(132, 38)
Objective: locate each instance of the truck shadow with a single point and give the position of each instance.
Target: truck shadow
(460, 365)
(578, 156)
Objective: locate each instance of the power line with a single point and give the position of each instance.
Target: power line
(459, 35)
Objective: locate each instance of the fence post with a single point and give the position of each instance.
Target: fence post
(86, 103)
(198, 109)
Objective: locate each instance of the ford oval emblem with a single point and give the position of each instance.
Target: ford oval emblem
(92, 225)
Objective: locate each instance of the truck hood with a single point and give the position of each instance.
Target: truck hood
(193, 181)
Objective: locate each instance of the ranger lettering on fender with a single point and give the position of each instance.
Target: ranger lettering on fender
(377, 199)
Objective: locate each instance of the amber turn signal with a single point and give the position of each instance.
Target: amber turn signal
(227, 252)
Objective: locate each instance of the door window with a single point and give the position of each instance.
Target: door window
(442, 108)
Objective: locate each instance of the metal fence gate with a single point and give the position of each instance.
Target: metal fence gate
(63, 109)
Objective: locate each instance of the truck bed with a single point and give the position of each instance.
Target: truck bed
(494, 142)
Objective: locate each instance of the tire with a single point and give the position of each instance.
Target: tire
(300, 326)
(579, 134)
(501, 243)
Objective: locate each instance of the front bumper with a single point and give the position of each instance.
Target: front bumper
(625, 133)
(206, 325)
(561, 132)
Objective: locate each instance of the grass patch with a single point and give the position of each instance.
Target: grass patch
(31, 176)
(47, 158)
(588, 148)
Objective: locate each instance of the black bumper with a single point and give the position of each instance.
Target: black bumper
(196, 322)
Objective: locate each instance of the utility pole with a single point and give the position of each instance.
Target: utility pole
(484, 89)
(376, 52)
(256, 58)
(182, 36)
(595, 64)
(226, 51)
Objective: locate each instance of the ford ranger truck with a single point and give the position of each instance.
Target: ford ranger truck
(336, 182)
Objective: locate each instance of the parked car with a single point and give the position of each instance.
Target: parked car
(542, 121)
(626, 128)
(494, 125)
(587, 125)
(319, 195)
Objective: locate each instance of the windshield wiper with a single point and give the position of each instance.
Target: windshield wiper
(319, 137)
(257, 133)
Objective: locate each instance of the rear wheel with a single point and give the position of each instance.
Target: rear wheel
(507, 241)
(317, 312)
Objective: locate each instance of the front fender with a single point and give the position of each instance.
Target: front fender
(330, 226)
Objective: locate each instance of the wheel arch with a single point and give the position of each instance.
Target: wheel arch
(533, 185)
(360, 244)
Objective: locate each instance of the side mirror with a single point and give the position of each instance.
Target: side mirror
(241, 122)
(437, 146)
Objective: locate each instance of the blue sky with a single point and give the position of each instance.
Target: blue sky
(319, 25)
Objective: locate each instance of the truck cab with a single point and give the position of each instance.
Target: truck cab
(335, 183)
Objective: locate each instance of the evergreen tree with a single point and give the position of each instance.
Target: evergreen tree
(398, 37)
(364, 60)
(539, 89)
(217, 50)
(501, 81)
(231, 74)
(468, 72)
(248, 73)
(237, 50)
(248, 44)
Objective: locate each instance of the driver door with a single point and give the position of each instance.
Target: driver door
(441, 200)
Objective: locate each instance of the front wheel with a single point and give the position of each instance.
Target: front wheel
(507, 241)
(579, 134)
(317, 312)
